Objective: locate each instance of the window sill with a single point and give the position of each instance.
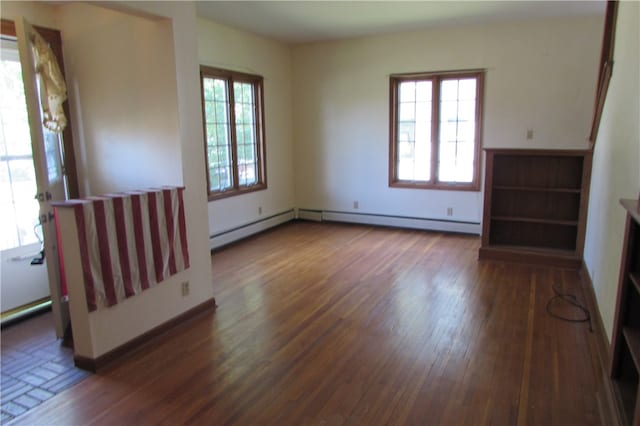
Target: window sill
(471, 187)
(213, 196)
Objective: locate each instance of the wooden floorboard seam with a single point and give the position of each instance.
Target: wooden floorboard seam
(523, 402)
(347, 324)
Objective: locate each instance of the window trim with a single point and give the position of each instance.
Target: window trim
(605, 68)
(436, 78)
(261, 160)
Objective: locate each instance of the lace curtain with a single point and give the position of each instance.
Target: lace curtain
(53, 90)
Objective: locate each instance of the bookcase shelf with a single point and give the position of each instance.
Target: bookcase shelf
(632, 337)
(535, 189)
(625, 341)
(535, 205)
(535, 220)
(635, 279)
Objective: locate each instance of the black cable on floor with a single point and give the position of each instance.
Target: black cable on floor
(572, 300)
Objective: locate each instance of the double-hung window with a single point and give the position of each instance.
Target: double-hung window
(232, 105)
(435, 130)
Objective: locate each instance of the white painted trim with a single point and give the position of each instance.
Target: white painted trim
(230, 236)
(227, 237)
(403, 222)
(313, 215)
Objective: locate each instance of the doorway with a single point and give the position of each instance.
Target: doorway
(24, 279)
(24, 275)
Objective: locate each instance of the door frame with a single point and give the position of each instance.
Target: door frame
(54, 38)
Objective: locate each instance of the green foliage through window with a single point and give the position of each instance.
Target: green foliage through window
(233, 134)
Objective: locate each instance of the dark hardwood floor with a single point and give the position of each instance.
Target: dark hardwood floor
(340, 324)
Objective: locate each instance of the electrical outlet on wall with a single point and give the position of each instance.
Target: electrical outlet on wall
(185, 288)
(449, 211)
(529, 134)
(356, 205)
(259, 209)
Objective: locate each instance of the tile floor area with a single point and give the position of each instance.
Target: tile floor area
(33, 365)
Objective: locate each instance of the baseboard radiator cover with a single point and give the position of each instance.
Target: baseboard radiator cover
(391, 221)
(312, 215)
(232, 235)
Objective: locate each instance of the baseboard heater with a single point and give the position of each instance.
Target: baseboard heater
(390, 220)
(231, 235)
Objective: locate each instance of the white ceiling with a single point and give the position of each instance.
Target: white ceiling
(297, 22)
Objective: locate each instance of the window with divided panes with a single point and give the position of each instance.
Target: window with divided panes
(232, 105)
(436, 126)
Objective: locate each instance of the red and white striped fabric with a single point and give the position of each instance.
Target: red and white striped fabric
(130, 242)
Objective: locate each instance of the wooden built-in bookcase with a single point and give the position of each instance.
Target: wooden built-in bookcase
(535, 205)
(625, 343)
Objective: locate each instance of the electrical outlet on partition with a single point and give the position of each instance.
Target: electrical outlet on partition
(185, 288)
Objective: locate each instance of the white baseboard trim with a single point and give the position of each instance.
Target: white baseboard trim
(227, 237)
(392, 221)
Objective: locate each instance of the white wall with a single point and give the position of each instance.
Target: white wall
(541, 75)
(228, 48)
(615, 173)
(149, 91)
(38, 13)
(121, 84)
(135, 110)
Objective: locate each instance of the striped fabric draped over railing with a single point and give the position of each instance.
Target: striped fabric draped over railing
(130, 242)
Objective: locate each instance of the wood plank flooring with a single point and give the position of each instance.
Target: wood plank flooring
(338, 324)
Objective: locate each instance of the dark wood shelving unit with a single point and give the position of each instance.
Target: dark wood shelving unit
(635, 279)
(535, 220)
(535, 205)
(625, 344)
(632, 337)
(533, 189)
